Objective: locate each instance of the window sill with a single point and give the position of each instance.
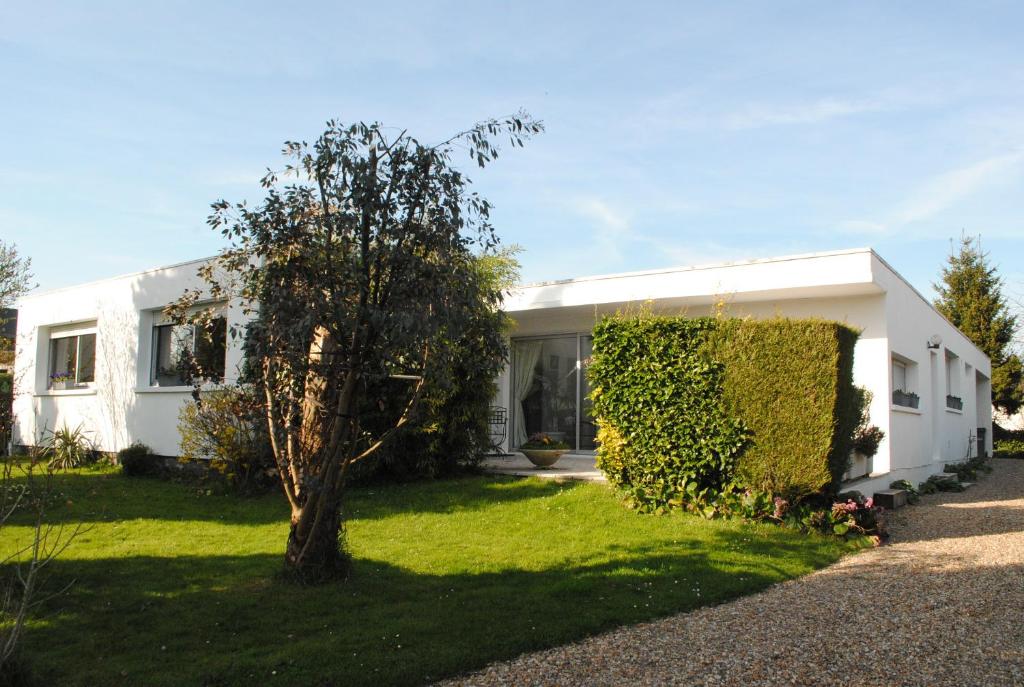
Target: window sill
(954, 411)
(905, 409)
(863, 478)
(67, 392)
(175, 389)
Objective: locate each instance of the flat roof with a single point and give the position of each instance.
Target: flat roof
(695, 268)
(128, 275)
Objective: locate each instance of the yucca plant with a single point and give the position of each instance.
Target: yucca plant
(68, 448)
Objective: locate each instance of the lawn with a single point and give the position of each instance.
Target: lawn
(175, 587)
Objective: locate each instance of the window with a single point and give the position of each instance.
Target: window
(72, 361)
(899, 375)
(953, 376)
(904, 382)
(182, 353)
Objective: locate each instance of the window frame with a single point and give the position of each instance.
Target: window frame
(51, 371)
(161, 321)
(905, 396)
(954, 381)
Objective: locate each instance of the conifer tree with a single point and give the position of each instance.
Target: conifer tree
(971, 297)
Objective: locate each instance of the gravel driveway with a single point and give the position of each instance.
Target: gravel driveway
(942, 604)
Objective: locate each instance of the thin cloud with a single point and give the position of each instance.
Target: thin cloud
(683, 110)
(945, 190)
(614, 233)
(815, 112)
(939, 193)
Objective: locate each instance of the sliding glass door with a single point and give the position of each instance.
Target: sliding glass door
(549, 391)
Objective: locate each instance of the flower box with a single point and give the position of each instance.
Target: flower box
(907, 399)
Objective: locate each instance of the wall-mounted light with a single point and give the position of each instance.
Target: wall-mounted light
(935, 341)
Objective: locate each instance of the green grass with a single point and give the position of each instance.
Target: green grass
(172, 587)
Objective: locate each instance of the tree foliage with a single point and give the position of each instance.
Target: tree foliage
(359, 271)
(971, 297)
(15, 275)
(451, 430)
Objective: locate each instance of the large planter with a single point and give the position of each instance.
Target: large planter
(543, 458)
(905, 399)
(860, 466)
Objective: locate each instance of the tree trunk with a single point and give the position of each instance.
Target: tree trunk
(318, 554)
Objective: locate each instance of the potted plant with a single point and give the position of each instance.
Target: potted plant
(907, 399)
(865, 445)
(543, 451)
(61, 380)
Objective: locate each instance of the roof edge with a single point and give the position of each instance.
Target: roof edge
(694, 268)
(59, 289)
(895, 273)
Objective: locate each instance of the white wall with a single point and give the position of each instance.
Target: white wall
(866, 313)
(854, 287)
(923, 441)
(121, 406)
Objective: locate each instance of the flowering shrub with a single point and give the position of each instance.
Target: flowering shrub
(542, 442)
(852, 516)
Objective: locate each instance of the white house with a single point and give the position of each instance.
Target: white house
(101, 355)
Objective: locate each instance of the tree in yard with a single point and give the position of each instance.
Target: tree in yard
(15, 275)
(362, 283)
(452, 428)
(971, 297)
(15, 281)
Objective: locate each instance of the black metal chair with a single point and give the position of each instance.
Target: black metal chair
(498, 424)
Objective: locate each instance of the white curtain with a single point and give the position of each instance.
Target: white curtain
(525, 355)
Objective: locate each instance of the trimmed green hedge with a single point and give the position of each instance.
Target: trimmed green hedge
(688, 408)
(664, 433)
(791, 384)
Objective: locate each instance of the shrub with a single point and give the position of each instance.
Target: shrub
(138, 460)
(913, 495)
(851, 515)
(1009, 448)
(68, 448)
(968, 470)
(689, 409)
(867, 439)
(225, 427)
(935, 483)
(790, 382)
(665, 435)
(450, 432)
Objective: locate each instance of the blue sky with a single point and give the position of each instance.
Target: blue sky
(678, 133)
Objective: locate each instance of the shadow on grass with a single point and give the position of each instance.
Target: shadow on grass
(104, 496)
(230, 620)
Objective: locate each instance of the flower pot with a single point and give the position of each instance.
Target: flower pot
(543, 458)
